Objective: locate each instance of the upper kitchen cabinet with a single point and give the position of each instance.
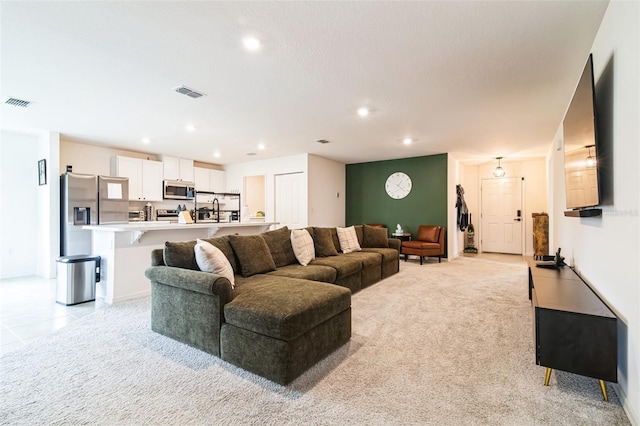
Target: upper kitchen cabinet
(178, 168)
(145, 177)
(209, 179)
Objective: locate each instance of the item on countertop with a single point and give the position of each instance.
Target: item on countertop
(184, 217)
(149, 212)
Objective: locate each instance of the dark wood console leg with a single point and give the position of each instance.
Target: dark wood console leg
(547, 376)
(603, 388)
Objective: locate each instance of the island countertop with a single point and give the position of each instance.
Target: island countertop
(125, 250)
(165, 226)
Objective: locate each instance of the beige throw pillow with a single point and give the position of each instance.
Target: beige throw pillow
(302, 244)
(348, 239)
(211, 259)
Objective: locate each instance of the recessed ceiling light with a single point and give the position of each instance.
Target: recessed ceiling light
(190, 128)
(261, 146)
(146, 140)
(216, 154)
(363, 112)
(251, 43)
(407, 141)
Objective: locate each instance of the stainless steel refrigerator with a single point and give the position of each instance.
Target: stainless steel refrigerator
(113, 200)
(78, 207)
(89, 200)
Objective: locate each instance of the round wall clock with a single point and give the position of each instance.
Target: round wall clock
(398, 185)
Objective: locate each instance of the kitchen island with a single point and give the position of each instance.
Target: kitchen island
(125, 250)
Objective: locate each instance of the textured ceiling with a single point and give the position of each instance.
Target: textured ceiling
(476, 79)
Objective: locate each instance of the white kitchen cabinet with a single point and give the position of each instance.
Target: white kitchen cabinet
(216, 180)
(145, 177)
(152, 180)
(201, 179)
(178, 168)
(209, 179)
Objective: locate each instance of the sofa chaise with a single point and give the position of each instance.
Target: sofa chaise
(273, 316)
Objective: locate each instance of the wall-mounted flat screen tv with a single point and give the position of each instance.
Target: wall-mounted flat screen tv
(580, 145)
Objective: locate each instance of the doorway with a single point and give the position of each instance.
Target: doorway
(501, 210)
(254, 195)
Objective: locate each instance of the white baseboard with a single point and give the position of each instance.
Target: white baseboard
(132, 296)
(634, 418)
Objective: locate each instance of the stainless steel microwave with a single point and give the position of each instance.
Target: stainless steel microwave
(178, 190)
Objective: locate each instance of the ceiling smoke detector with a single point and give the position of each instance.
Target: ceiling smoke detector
(21, 103)
(322, 141)
(189, 92)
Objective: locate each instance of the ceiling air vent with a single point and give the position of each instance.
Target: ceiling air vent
(322, 141)
(189, 92)
(17, 102)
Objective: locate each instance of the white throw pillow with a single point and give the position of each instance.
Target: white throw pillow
(303, 246)
(211, 259)
(348, 239)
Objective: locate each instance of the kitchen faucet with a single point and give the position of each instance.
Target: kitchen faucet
(216, 209)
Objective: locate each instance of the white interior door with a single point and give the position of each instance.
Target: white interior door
(290, 200)
(502, 215)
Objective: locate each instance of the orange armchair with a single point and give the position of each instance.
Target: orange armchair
(429, 242)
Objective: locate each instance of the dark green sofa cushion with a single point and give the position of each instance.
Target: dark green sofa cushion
(287, 307)
(374, 237)
(388, 254)
(225, 247)
(180, 255)
(279, 242)
(344, 265)
(323, 242)
(253, 254)
(325, 274)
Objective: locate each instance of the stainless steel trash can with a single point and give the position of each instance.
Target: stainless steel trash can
(76, 279)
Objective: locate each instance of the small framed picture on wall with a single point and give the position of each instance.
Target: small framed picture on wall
(42, 172)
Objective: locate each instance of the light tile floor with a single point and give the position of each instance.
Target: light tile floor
(28, 311)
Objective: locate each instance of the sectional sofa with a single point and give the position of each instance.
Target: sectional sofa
(270, 315)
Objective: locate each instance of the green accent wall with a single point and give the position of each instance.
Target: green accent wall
(426, 204)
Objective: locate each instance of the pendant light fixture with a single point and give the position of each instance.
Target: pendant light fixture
(499, 171)
(591, 160)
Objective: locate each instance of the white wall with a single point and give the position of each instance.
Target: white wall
(234, 174)
(92, 159)
(327, 203)
(48, 210)
(29, 217)
(606, 250)
(19, 192)
(325, 179)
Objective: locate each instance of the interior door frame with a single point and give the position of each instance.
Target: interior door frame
(523, 204)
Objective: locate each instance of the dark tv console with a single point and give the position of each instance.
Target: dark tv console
(574, 330)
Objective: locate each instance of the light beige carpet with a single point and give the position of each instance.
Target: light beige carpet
(441, 344)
